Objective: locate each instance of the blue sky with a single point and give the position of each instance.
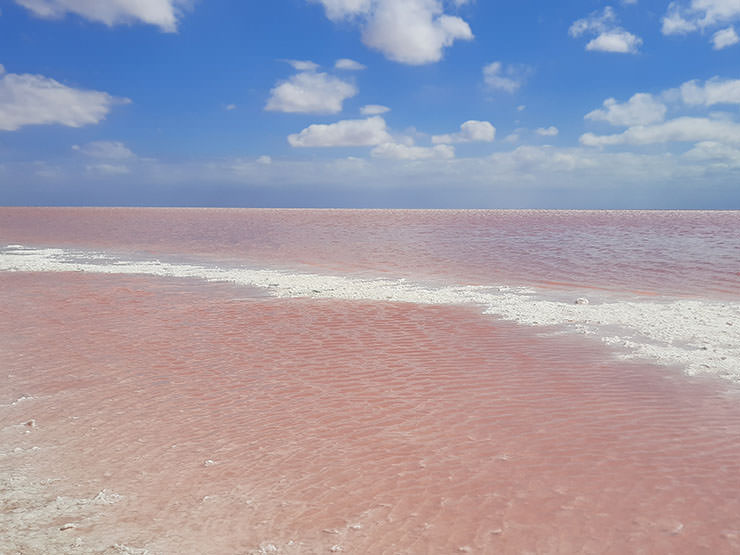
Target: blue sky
(371, 103)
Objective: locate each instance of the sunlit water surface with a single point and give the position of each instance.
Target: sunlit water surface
(215, 419)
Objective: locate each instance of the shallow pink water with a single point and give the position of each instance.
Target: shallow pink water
(370, 427)
(650, 252)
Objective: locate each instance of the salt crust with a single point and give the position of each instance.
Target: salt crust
(701, 336)
(36, 520)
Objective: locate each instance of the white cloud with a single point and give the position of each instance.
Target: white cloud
(37, 100)
(303, 65)
(641, 109)
(675, 24)
(682, 129)
(351, 132)
(349, 65)
(108, 150)
(506, 78)
(412, 32)
(620, 42)
(264, 160)
(686, 17)
(162, 13)
(337, 10)
(551, 131)
(397, 151)
(2, 69)
(469, 131)
(724, 38)
(374, 110)
(610, 37)
(310, 92)
(714, 91)
(714, 152)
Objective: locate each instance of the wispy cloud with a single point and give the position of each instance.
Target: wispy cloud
(509, 78)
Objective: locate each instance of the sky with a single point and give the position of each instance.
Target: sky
(371, 103)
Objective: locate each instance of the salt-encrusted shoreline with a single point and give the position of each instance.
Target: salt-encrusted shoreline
(37, 517)
(701, 336)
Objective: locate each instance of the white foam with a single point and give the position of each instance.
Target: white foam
(701, 336)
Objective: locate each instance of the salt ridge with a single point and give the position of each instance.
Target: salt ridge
(702, 337)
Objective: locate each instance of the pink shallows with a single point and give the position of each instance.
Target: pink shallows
(232, 423)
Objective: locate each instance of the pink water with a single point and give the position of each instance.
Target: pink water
(680, 253)
(230, 422)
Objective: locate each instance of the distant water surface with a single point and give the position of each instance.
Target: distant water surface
(692, 253)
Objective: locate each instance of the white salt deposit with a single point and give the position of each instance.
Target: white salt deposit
(701, 336)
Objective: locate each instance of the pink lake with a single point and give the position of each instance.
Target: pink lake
(163, 415)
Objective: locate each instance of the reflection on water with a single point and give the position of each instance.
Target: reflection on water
(236, 424)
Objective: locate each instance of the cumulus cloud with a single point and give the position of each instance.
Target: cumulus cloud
(724, 38)
(621, 42)
(715, 134)
(641, 109)
(686, 17)
(161, 13)
(551, 131)
(37, 100)
(413, 32)
(374, 110)
(352, 132)
(470, 131)
(398, 151)
(714, 91)
(310, 92)
(682, 129)
(348, 65)
(336, 10)
(108, 150)
(509, 78)
(610, 37)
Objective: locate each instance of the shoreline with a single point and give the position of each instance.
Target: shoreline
(700, 336)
